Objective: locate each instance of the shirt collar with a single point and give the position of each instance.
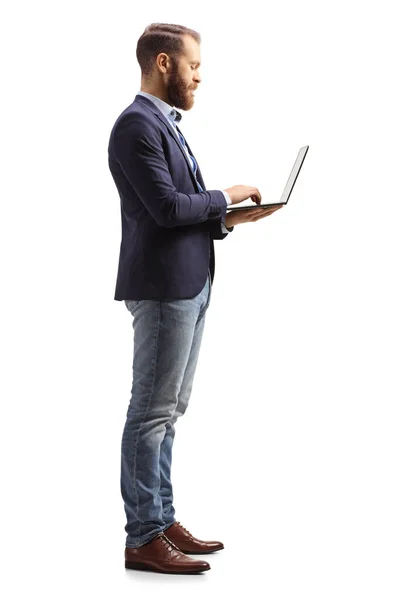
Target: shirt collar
(164, 107)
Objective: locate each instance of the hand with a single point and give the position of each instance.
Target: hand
(238, 193)
(236, 217)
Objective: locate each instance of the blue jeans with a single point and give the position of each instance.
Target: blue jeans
(167, 339)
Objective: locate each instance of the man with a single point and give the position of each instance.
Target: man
(165, 273)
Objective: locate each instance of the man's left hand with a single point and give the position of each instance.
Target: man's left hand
(236, 217)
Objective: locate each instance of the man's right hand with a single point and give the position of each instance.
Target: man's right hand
(238, 193)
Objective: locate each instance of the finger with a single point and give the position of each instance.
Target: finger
(256, 216)
(265, 213)
(263, 216)
(256, 196)
(273, 209)
(253, 212)
(257, 210)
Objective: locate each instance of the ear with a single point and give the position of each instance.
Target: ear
(163, 62)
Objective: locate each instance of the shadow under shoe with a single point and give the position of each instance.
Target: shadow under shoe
(162, 556)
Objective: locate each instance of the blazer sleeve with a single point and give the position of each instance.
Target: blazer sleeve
(137, 147)
(214, 227)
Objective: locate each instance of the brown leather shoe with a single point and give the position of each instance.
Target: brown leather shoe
(162, 556)
(187, 543)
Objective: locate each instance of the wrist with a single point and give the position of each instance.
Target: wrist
(228, 221)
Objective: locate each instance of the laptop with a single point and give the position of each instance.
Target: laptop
(288, 187)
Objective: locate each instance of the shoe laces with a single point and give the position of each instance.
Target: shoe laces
(167, 543)
(184, 528)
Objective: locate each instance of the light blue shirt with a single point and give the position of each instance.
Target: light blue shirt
(166, 110)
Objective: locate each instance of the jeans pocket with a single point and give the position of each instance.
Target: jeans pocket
(131, 304)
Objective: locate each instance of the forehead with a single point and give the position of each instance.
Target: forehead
(191, 49)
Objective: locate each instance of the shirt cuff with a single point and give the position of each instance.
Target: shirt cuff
(227, 197)
(228, 201)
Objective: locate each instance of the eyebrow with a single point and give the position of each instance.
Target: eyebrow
(193, 62)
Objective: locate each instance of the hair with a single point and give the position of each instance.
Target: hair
(161, 37)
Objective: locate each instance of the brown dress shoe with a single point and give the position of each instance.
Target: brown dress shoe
(187, 543)
(162, 556)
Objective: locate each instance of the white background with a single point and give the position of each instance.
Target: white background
(289, 451)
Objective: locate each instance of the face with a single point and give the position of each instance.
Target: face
(184, 75)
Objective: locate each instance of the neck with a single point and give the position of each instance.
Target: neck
(155, 92)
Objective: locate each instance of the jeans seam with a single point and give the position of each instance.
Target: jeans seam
(154, 365)
(201, 313)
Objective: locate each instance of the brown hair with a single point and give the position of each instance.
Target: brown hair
(161, 37)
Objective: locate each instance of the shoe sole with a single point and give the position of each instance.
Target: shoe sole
(143, 567)
(203, 552)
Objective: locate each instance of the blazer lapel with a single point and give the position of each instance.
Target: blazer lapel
(167, 122)
(170, 128)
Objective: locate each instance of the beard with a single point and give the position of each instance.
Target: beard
(179, 93)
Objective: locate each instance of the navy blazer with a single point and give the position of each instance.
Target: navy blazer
(168, 226)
